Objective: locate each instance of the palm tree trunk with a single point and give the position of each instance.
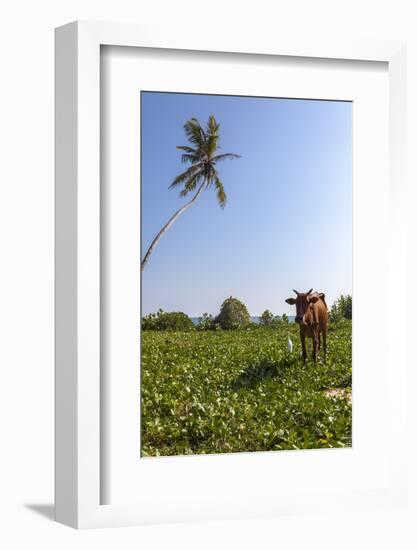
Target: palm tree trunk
(168, 225)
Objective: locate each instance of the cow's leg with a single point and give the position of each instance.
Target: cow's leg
(324, 344)
(303, 346)
(318, 343)
(314, 347)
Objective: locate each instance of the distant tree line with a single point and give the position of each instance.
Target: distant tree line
(233, 315)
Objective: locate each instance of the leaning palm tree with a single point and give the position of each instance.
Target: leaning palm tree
(201, 175)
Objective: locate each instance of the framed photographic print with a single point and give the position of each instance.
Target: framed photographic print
(212, 363)
(227, 219)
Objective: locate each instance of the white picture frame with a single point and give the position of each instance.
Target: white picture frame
(78, 406)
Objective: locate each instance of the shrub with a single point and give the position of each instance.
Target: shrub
(342, 308)
(164, 320)
(149, 322)
(233, 314)
(206, 322)
(266, 318)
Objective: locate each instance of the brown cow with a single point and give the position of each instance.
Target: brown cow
(312, 317)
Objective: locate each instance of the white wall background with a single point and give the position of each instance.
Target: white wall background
(26, 274)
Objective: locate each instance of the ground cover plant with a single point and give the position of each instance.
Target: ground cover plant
(220, 391)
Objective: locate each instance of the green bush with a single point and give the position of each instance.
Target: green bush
(233, 314)
(164, 320)
(342, 308)
(206, 322)
(266, 318)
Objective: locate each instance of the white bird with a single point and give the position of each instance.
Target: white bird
(289, 344)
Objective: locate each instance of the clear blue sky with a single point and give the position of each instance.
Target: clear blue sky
(288, 220)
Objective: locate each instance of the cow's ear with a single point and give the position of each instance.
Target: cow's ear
(291, 301)
(313, 299)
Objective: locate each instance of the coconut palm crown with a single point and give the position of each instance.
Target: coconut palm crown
(203, 158)
(202, 155)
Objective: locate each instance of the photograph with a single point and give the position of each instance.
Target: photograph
(246, 274)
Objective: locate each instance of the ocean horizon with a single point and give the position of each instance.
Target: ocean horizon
(253, 318)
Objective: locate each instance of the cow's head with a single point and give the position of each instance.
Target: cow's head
(304, 306)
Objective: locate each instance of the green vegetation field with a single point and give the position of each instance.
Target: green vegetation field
(241, 390)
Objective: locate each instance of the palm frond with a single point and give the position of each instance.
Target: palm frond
(190, 157)
(212, 136)
(190, 185)
(187, 149)
(225, 156)
(221, 193)
(212, 144)
(212, 125)
(210, 173)
(195, 133)
(184, 176)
